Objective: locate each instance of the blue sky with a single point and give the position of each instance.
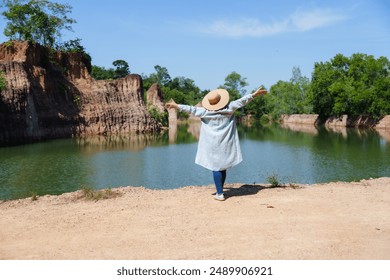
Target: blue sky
(207, 40)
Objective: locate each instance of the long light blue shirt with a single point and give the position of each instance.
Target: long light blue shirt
(218, 146)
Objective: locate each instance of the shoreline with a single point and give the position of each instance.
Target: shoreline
(339, 220)
(79, 193)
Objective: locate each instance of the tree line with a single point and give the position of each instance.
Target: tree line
(355, 85)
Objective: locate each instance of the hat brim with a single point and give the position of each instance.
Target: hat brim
(222, 102)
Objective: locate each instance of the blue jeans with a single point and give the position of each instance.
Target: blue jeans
(219, 180)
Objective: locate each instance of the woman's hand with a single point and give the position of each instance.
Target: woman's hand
(171, 104)
(259, 91)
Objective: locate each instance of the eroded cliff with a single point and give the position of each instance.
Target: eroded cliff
(51, 95)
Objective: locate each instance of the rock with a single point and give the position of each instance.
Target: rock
(155, 97)
(337, 121)
(384, 123)
(334, 122)
(52, 95)
(307, 119)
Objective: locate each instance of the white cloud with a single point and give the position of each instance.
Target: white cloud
(299, 21)
(303, 21)
(246, 28)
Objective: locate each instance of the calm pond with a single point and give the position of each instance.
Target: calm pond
(303, 155)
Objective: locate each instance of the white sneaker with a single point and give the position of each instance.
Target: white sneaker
(219, 197)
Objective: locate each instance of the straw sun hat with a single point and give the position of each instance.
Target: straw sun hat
(216, 99)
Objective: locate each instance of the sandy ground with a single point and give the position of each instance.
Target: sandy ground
(324, 221)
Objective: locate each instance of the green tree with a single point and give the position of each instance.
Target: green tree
(358, 85)
(101, 73)
(320, 96)
(288, 97)
(279, 100)
(380, 101)
(180, 89)
(257, 107)
(147, 81)
(122, 68)
(184, 84)
(71, 46)
(74, 46)
(177, 95)
(187, 88)
(161, 77)
(301, 86)
(40, 21)
(235, 85)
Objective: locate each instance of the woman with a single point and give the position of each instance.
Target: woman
(218, 147)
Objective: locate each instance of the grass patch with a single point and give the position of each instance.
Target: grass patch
(294, 186)
(90, 194)
(276, 182)
(33, 195)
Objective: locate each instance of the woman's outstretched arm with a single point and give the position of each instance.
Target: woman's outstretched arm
(241, 102)
(196, 111)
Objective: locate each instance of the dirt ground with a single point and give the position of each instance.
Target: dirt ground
(324, 221)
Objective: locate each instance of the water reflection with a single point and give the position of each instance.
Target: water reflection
(194, 128)
(311, 129)
(329, 155)
(172, 133)
(341, 130)
(118, 142)
(191, 128)
(301, 154)
(385, 134)
(55, 166)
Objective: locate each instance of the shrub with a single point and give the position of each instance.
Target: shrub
(91, 194)
(3, 82)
